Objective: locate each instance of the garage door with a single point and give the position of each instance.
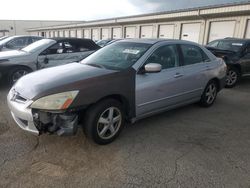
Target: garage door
(248, 30)
(130, 32)
(95, 34)
(105, 33)
(220, 30)
(61, 34)
(166, 31)
(86, 34)
(73, 33)
(146, 31)
(191, 32)
(117, 33)
(79, 33)
(66, 33)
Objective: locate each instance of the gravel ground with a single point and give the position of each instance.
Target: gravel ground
(187, 147)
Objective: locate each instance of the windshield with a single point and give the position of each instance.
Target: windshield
(117, 56)
(233, 46)
(37, 45)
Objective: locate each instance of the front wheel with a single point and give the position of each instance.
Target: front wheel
(104, 121)
(16, 74)
(209, 95)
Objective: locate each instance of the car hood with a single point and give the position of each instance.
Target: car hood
(57, 79)
(12, 54)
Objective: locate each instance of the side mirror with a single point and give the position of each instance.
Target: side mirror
(152, 68)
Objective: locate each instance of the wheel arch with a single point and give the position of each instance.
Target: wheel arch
(123, 100)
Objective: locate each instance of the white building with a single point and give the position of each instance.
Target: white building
(200, 25)
(19, 27)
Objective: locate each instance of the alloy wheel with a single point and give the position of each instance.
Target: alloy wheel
(231, 77)
(211, 93)
(109, 123)
(18, 74)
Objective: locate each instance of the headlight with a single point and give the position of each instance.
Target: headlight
(60, 101)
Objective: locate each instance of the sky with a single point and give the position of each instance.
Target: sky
(85, 10)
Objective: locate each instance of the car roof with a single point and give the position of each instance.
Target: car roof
(154, 41)
(234, 39)
(58, 39)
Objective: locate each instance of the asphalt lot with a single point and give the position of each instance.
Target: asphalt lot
(188, 147)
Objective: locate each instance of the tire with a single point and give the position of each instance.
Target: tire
(233, 76)
(101, 125)
(17, 73)
(209, 94)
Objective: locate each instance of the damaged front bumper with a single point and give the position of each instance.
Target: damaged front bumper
(37, 121)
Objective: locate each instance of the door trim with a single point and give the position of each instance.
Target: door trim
(173, 96)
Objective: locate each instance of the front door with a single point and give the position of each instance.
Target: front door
(156, 91)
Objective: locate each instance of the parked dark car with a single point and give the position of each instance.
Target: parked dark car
(236, 54)
(17, 42)
(103, 42)
(127, 80)
(43, 54)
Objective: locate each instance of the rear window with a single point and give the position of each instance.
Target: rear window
(193, 54)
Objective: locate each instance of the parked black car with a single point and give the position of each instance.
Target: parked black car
(17, 42)
(236, 54)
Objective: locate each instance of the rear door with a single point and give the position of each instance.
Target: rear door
(196, 66)
(156, 91)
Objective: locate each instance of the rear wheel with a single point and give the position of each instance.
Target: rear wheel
(233, 76)
(16, 73)
(209, 95)
(104, 121)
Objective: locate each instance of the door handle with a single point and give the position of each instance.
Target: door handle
(178, 75)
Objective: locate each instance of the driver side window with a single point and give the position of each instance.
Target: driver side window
(55, 49)
(166, 56)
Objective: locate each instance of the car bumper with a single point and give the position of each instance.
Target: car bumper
(22, 114)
